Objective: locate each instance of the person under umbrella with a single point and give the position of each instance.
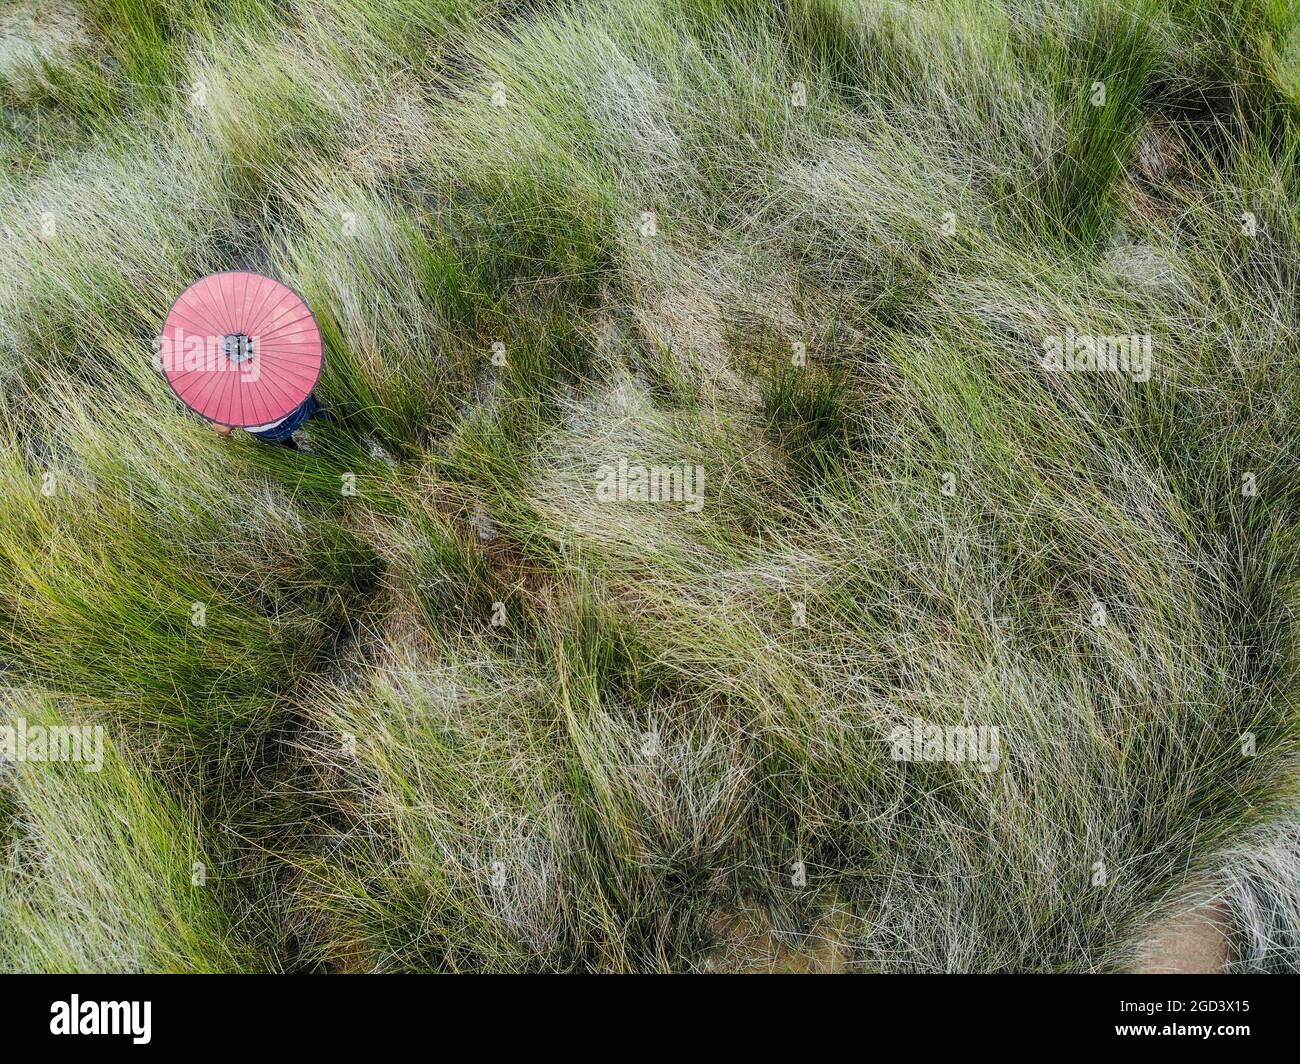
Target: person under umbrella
(244, 351)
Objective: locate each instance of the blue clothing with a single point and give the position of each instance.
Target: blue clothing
(286, 428)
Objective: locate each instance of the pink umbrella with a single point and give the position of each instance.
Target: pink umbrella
(241, 349)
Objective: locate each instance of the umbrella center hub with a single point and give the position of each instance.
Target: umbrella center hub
(238, 347)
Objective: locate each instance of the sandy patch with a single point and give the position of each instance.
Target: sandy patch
(1191, 943)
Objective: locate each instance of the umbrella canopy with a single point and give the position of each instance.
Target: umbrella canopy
(241, 349)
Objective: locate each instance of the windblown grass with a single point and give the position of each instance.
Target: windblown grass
(449, 710)
(105, 871)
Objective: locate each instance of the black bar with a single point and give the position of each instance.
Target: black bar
(212, 1013)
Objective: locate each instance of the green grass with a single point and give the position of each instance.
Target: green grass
(116, 846)
(446, 710)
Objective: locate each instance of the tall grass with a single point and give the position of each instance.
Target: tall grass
(104, 870)
(445, 708)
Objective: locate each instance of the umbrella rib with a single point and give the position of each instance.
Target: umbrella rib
(214, 315)
(225, 304)
(256, 311)
(285, 400)
(204, 390)
(201, 313)
(241, 301)
(282, 327)
(187, 317)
